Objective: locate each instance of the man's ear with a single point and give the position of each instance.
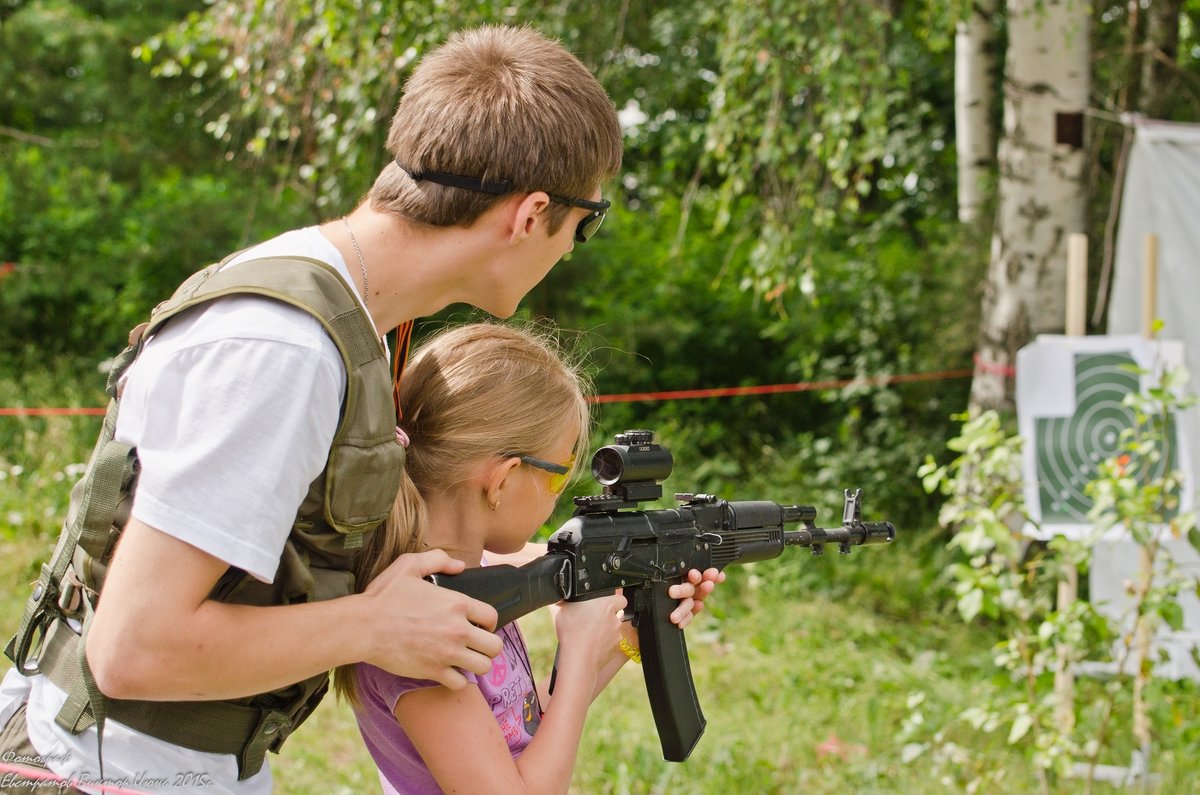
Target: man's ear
(528, 213)
(496, 479)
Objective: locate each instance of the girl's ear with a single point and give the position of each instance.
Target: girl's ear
(496, 478)
(528, 212)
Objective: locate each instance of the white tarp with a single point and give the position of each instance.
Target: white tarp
(1162, 197)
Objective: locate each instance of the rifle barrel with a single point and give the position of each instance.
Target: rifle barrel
(854, 535)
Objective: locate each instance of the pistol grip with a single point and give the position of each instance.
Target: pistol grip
(668, 676)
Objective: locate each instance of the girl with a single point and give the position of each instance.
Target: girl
(496, 419)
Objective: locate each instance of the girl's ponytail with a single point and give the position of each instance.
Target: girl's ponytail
(470, 393)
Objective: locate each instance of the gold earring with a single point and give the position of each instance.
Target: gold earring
(494, 505)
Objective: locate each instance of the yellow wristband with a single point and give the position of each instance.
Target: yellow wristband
(630, 652)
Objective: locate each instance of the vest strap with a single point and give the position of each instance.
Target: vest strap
(23, 647)
(114, 465)
(42, 606)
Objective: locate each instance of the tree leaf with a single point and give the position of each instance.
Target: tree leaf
(1020, 727)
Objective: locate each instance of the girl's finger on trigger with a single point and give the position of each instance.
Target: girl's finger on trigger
(682, 590)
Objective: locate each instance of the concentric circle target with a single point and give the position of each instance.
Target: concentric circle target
(1069, 449)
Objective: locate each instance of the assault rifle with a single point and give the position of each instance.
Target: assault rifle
(604, 547)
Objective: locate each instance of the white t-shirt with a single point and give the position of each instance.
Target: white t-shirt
(232, 407)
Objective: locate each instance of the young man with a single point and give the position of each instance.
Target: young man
(256, 431)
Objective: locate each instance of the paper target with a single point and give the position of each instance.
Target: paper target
(1070, 392)
(1068, 450)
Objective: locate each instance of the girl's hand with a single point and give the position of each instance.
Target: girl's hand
(590, 630)
(594, 630)
(692, 593)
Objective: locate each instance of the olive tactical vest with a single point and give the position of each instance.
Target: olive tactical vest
(348, 500)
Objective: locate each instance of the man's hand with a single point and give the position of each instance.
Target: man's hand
(427, 632)
(157, 636)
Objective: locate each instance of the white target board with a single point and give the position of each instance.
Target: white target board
(1070, 413)
(1070, 393)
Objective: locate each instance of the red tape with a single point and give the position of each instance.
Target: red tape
(982, 365)
(631, 397)
(806, 386)
(35, 412)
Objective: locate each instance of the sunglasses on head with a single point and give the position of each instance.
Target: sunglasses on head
(559, 473)
(587, 226)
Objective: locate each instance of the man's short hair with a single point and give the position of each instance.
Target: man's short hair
(497, 103)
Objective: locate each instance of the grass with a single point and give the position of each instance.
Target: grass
(815, 675)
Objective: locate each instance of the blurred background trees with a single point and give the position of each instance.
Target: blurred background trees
(811, 192)
(787, 210)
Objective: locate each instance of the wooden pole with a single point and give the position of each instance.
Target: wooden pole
(1141, 638)
(1068, 586)
(1077, 250)
(1150, 286)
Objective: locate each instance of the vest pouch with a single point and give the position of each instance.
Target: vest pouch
(292, 583)
(361, 482)
(92, 570)
(301, 579)
(230, 586)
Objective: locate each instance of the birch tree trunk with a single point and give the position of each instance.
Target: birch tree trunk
(1041, 189)
(974, 78)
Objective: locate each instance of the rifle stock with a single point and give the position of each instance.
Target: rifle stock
(513, 591)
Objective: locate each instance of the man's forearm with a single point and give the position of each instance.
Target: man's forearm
(156, 635)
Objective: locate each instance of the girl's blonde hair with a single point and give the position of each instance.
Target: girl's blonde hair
(470, 394)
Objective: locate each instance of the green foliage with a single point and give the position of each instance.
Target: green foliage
(301, 105)
(664, 321)
(1134, 490)
(41, 457)
(313, 88)
(110, 191)
(998, 582)
(1115, 77)
(75, 91)
(780, 118)
(1012, 586)
(986, 508)
(92, 255)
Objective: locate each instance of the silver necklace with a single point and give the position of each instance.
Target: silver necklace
(362, 263)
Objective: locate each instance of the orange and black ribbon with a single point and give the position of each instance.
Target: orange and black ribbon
(400, 358)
